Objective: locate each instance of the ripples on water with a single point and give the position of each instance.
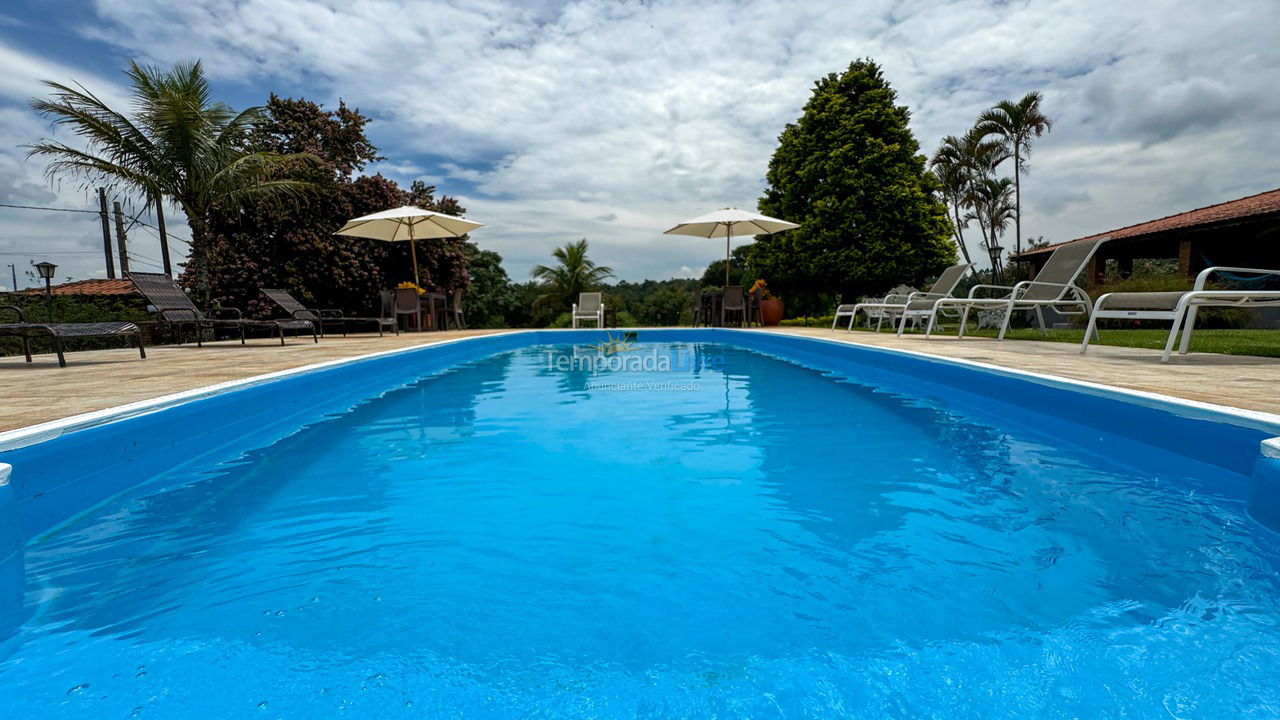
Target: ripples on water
(504, 540)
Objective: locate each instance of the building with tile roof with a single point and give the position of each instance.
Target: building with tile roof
(89, 287)
(1243, 232)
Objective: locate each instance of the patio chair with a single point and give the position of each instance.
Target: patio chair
(286, 302)
(735, 301)
(454, 312)
(58, 332)
(697, 307)
(590, 306)
(407, 301)
(899, 307)
(1180, 307)
(174, 309)
(1053, 287)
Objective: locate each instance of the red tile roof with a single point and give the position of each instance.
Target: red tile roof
(89, 287)
(1266, 203)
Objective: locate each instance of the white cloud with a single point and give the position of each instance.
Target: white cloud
(549, 118)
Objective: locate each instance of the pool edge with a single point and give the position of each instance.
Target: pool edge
(53, 429)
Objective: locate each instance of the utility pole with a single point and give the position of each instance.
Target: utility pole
(106, 233)
(164, 236)
(120, 239)
(14, 269)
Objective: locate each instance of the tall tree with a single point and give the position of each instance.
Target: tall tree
(953, 185)
(178, 143)
(1016, 124)
(992, 205)
(962, 164)
(572, 273)
(851, 173)
(491, 298)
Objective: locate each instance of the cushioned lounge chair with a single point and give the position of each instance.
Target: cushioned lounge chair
(1054, 287)
(914, 306)
(58, 332)
(174, 309)
(1180, 307)
(320, 318)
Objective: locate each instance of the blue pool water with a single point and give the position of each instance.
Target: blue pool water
(724, 535)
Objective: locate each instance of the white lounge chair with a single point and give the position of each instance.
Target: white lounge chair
(1179, 307)
(914, 306)
(590, 306)
(875, 310)
(1053, 287)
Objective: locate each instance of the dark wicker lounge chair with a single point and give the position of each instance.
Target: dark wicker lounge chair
(58, 332)
(298, 311)
(174, 309)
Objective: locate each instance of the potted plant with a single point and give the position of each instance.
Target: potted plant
(770, 306)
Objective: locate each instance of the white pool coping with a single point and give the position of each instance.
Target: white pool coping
(42, 432)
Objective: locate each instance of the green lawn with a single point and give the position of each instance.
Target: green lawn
(1265, 343)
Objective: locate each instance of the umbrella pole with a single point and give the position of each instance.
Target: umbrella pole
(728, 233)
(413, 253)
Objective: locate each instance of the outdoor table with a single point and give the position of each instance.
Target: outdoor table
(610, 317)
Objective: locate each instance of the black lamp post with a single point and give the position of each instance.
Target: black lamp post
(46, 270)
(994, 251)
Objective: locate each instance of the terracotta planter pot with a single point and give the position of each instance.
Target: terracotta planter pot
(771, 312)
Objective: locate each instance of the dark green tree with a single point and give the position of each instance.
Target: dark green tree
(851, 173)
(713, 276)
(492, 298)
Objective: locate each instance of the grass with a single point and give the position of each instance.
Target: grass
(1263, 343)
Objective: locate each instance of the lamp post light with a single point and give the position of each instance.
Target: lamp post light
(46, 270)
(994, 251)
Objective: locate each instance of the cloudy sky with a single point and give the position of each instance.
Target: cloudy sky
(613, 120)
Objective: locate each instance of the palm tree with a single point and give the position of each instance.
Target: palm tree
(954, 182)
(960, 164)
(176, 144)
(993, 207)
(1016, 124)
(572, 274)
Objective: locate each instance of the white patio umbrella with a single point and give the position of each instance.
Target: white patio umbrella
(729, 222)
(408, 223)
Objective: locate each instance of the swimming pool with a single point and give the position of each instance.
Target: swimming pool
(680, 524)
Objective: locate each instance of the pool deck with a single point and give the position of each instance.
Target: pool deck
(99, 379)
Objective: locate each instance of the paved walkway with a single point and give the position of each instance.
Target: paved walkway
(1234, 380)
(99, 379)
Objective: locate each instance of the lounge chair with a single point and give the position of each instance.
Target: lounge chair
(1179, 307)
(1054, 287)
(26, 331)
(298, 311)
(590, 306)
(914, 306)
(174, 309)
(875, 308)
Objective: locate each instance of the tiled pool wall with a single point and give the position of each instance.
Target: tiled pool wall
(55, 479)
